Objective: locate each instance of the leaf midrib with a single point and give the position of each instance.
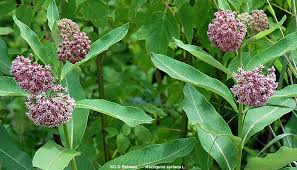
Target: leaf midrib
(13, 158)
(226, 160)
(260, 119)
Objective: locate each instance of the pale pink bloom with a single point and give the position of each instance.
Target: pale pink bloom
(253, 88)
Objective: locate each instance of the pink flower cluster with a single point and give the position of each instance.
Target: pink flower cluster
(48, 104)
(31, 77)
(253, 88)
(75, 44)
(259, 22)
(225, 31)
(50, 110)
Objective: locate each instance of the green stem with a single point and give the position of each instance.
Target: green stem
(66, 134)
(240, 122)
(99, 65)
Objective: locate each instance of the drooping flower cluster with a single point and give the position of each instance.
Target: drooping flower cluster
(75, 44)
(225, 31)
(259, 22)
(31, 77)
(48, 104)
(50, 110)
(253, 88)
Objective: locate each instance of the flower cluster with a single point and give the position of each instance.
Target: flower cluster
(48, 104)
(225, 31)
(259, 22)
(50, 110)
(253, 88)
(75, 44)
(31, 77)
(245, 18)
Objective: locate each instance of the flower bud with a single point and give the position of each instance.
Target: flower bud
(73, 42)
(259, 21)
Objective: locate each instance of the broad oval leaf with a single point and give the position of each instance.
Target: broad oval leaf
(258, 118)
(31, 38)
(273, 161)
(99, 46)
(202, 55)
(278, 49)
(153, 154)
(8, 87)
(289, 91)
(53, 156)
(78, 123)
(52, 14)
(189, 74)
(5, 62)
(10, 156)
(132, 116)
(200, 111)
(264, 33)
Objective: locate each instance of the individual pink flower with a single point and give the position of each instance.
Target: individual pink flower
(225, 31)
(259, 21)
(253, 88)
(75, 44)
(31, 77)
(50, 109)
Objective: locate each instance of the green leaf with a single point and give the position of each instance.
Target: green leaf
(31, 38)
(52, 14)
(258, 118)
(53, 156)
(132, 116)
(77, 125)
(289, 91)
(6, 30)
(273, 161)
(154, 154)
(158, 33)
(143, 134)
(223, 5)
(10, 156)
(200, 111)
(99, 46)
(6, 6)
(202, 55)
(278, 49)
(184, 13)
(274, 140)
(5, 62)
(264, 33)
(96, 12)
(123, 143)
(8, 87)
(189, 74)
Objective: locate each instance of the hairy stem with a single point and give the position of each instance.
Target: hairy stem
(99, 64)
(73, 162)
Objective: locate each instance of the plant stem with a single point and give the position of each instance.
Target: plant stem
(240, 121)
(99, 64)
(66, 134)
